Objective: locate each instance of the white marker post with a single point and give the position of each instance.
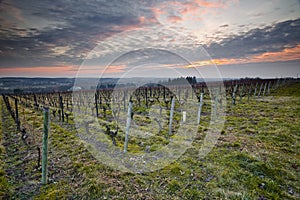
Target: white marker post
(183, 116)
(127, 126)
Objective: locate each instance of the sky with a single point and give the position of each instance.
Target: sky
(155, 38)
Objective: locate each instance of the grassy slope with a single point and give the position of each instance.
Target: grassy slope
(4, 185)
(256, 157)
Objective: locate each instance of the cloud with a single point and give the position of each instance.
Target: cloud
(257, 41)
(174, 19)
(74, 30)
(287, 54)
(47, 71)
(224, 26)
(185, 11)
(13, 13)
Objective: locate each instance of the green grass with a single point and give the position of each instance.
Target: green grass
(256, 157)
(5, 190)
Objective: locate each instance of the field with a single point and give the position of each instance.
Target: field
(256, 156)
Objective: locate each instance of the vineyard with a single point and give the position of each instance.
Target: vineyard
(256, 155)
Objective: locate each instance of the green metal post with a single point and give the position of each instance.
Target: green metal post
(45, 145)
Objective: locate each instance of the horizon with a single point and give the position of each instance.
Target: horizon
(149, 78)
(90, 77)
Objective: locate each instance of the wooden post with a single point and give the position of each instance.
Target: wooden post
(61, 108)
(96, 104)
(45, 145)
(17, 114)
(24, 116)
(128, 126)
(171, 115)
(100, 101)
(104, 111)
(35, 102)
(146, 96)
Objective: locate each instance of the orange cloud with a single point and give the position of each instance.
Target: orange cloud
(60, 71)
(100, 69)
(286, 54)
(144, 20)
(174, 19)
(188, 9)
(38, 71)
(208, 4)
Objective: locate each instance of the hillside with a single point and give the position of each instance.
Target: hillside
(256, 157)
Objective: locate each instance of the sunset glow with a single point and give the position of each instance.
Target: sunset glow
(287, 54)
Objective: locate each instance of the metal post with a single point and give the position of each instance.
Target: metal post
(171, 115)
(264, 92)
(233, 94)
(249, 92)
(127, 126)
(200, 108)
(255, 90)
(269, 84)
(45, 145)
(260, 88)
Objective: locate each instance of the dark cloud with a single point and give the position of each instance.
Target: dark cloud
(224, 26)
(272, 38)
(76, 25)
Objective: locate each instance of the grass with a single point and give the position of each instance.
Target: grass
(5, 191)
(256, 157)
